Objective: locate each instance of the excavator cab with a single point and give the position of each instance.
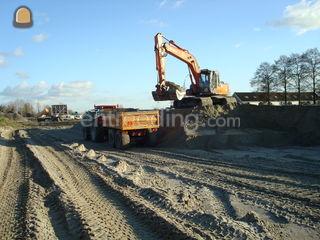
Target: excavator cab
(209, 80)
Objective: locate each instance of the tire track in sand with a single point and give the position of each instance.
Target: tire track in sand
(102, 215)
(11, 187)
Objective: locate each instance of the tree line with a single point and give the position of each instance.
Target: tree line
(20, 107)
(295, 73)
(25, 108)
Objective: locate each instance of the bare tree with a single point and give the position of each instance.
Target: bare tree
(3, 108)
(298, 70)
(27, 110)
(11, 108)
(283, 71)
(312, 59)
(38, 106)
(20, 107)
(264, 79)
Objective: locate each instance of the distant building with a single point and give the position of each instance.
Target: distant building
(58, 110)
(277, 99)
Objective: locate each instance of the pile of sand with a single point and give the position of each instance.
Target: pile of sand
(266, 126)
(74, 145)
(300, 122)
(91, 154)
(102, 158)
(81, 148)
(122, 166)
(23, 134)
(6, 132)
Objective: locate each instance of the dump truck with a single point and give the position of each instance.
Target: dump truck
(120, 126)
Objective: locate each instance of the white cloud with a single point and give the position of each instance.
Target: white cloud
(22, 75)
(162, 3)
(40, 38)
(303, 16)
(178, 3)
(4, 56)
(238, 45)
(25, 90)
(257, 29)
(43, 91)
(154, 22)
(75, 89)
(171, 3)
(18, 52)
(41, 18)
(3, 61)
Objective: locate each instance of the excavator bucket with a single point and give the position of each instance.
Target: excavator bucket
(166, 96)
(171, 92)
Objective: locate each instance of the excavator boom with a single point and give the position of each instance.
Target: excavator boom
(174, 50)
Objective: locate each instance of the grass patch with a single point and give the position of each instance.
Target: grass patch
(6, 122)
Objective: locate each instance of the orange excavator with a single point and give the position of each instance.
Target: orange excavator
(206, 89)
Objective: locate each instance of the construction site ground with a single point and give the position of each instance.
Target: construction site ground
(54, 185)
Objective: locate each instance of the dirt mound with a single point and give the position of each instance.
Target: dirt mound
(178, 124)
(267, 126)
(23, 134)
(300, 122)
(74, 145)
(102, 158)
(6, 132)
(81, 148)
(122, 166)
(91, 154)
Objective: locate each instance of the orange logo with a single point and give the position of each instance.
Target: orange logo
(22, 17)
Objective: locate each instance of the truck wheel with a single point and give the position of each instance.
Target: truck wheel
(122, 140)
(151, 138)
(97, 134)
(85, 134)
(111, 138)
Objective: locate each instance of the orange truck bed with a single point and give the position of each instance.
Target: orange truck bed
(131, 120)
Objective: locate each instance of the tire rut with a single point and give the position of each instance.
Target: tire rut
(12, 193)
(284, 206)
(102, 214)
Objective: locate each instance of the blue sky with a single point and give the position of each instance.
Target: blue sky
(88, 52)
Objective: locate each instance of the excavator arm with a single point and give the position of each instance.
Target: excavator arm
(170, 47)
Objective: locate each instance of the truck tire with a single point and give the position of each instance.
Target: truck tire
(111, 138)
(151, 138)
(85, 134)
(97, 134)
(122, 140)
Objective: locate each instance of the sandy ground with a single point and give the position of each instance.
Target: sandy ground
(53, 185)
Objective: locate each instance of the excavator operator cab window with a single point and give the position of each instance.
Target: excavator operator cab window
(205, 80)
